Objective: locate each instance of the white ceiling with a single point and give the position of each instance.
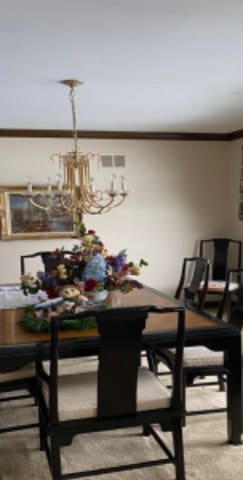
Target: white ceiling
(148, 65)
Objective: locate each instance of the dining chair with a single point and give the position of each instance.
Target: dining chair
(194, 271)
(231, 296)
(21, 383)
(191, 287)
(236, 313)
(50, 259)
(200, 361)
(120, 394)
(223, 253)
(17, 385)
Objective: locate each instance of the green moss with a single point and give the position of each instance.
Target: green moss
(32, 323)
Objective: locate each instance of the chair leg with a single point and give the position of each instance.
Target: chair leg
(33, 390)
(41, 430)
(184, 397)
(221, 383)
(146, 431)
(55, 458)
(152, 363)
(189, 379)
(178, 449)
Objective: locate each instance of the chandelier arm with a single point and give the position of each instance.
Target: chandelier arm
(96, 204)
(71, 207)
(114, 205)
(114, 202)
(38, 205)
(98, 197)
(68, 207)
(104, 208)
(88, 203)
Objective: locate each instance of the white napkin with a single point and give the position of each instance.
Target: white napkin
(9, 288)
(17, 299)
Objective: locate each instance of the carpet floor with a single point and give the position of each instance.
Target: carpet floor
(207, 454)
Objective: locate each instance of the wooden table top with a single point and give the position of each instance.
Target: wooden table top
(13, 334)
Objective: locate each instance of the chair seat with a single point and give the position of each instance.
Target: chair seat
(71, 366)
(218, 286)
(201, 357)
(77, 394)
(27, 371)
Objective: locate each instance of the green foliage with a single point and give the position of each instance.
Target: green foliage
(32, 323)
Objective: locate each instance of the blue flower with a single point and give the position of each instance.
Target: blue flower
(95, 269)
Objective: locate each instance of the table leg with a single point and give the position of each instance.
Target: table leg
(234, 398)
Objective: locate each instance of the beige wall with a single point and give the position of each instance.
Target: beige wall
(181, 194)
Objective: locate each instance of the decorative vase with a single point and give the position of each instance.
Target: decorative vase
(98, 296)
(115, 298)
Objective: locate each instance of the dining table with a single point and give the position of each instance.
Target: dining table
(18, 346)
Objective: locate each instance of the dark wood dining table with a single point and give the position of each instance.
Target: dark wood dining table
(18, 346)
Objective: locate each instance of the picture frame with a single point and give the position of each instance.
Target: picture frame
(21, 220)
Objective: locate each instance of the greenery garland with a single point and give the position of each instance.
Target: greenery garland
(32, 323)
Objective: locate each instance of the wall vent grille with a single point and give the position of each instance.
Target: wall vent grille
(109, 161)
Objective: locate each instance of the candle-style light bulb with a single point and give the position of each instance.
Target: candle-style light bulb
(92, 185)
(48, 184)
(29, 185)
(123, 185)
(113, 188)
(59, 182)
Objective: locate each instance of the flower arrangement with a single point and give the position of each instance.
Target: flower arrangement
(89, 267)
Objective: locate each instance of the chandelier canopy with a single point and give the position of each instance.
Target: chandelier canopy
(75, 191)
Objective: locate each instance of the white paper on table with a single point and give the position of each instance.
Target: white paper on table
(9, 288)
(17, 298)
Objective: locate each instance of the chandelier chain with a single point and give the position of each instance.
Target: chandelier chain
(74, 118)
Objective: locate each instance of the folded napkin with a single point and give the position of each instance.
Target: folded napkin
(15, 298)
(9, 288)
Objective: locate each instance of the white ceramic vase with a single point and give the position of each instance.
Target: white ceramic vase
(98, 296)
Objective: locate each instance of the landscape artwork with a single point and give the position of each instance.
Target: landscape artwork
(23, 220)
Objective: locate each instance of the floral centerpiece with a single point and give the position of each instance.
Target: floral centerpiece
(90, 268)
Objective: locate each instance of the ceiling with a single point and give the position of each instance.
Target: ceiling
(147, 65)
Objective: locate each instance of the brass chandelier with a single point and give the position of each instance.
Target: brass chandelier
(75, 192)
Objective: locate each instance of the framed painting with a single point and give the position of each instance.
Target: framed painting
(21, 219)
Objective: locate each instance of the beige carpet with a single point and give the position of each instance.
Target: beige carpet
(207, 454)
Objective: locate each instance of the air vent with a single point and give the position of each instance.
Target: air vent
(119, 160)
(106, 160)
(113, 160)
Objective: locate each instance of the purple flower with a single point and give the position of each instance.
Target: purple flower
(47, 280)
(119, 261)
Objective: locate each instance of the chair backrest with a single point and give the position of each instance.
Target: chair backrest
(220, 260)
(200, 271)
(236, 297)
(120, 345)
(236, 317)
(50, 259)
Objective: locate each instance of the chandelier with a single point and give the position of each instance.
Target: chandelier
(75, 192)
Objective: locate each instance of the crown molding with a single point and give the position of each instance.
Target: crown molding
(236, 135)
(126, 135)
